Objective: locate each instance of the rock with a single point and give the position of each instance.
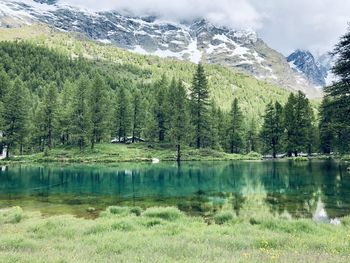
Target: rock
(91, 209)
(155, 160)
(335, 222)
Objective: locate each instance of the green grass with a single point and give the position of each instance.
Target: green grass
(167, 235)
(116, 153)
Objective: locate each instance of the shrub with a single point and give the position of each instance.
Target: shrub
(223, 217)
(166, 213)
(300, 159)
(118, 210)
(254, 156)
(123, 226)
(153, 222)
(12, 215)
(136, 210)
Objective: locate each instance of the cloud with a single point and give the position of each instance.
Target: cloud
(239, 14)
(314, 25)
(284, 24)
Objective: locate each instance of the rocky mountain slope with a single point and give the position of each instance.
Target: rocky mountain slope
(316, 69)
(196, 41)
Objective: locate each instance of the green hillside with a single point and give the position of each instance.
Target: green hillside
(225, 84)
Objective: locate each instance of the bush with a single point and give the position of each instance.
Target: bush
(123, 226)
(12, 215)
(300, 159)
(166, 213)
(136, 210)
(223, 217)
(118, 210)
(254, 156)
(254, 221)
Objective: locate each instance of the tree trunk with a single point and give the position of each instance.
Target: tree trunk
(92, 144)
(198, 142)
(178, 151)
(7, 152)
(274, 151)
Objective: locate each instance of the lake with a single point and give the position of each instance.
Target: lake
(295, 189)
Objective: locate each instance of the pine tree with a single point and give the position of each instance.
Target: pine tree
(214, 128)
(272, 129)
(338, 95)
(99, 110)
(65, 102)
(4, 85)
(123, 115)
(48, 115)
(222, 127)
(235, 128)
(200, 107)
(138, 115)
(181, 129)
(252, 136)
(150, 130)
(161, 107)
(326, 127)
(81, 119)
(15, 116)
(298, 123)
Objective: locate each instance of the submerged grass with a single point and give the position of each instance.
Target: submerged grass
(167, 235)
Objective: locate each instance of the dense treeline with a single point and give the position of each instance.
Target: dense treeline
(48, 100)
(335, 109)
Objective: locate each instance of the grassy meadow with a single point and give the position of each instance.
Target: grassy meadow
(167, 235)
(139, 152)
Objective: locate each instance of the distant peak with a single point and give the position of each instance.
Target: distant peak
(49, 2)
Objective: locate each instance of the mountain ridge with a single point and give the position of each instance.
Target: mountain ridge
(317, 69)
(196, 41)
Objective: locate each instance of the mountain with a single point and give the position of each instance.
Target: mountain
(195, 41)
(315, 69)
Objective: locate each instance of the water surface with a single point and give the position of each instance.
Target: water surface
(295, 189)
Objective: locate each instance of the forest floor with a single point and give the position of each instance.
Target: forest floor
(139, 152)
(168, 235)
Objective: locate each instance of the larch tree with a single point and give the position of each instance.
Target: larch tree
(338, 95)
(200, 107)
(123, 114)
(65, 103)
(235, 128)
(326, 126)
(138, 114)
(98, 110)
(48, 118)
(272, 129)
(181, 128)
(161, 107)
(15, 116)
(81, 119)
(298, 123)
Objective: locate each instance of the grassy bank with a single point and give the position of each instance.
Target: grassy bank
(167, 235)
(113, 153)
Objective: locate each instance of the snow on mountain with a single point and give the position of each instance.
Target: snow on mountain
(315, 69)
(196, 41)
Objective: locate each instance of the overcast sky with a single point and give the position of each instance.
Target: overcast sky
(285, 25)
